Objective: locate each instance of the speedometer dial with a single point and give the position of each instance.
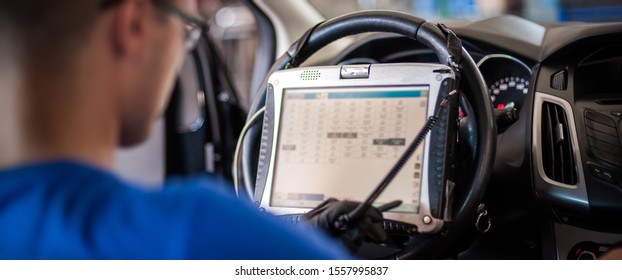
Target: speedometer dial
(508, 91)
(507, 79)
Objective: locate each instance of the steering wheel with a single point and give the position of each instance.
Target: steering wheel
(443, 42)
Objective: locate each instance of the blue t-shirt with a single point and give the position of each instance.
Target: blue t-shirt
(67, 210)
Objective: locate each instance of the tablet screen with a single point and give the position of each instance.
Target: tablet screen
(341, 142)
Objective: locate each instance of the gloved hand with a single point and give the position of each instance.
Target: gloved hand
(367, 227)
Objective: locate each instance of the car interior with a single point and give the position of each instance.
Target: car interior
(520, 116)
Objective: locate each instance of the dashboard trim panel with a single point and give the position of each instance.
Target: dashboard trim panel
(504, 56)
(570, 196)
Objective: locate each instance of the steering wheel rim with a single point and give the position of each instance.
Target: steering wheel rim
(471, 79)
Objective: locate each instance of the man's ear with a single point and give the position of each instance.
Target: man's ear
(128, 30)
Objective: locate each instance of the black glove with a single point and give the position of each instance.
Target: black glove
(367, 227)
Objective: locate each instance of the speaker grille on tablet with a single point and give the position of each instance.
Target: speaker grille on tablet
(310, 75)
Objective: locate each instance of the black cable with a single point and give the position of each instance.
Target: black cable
(236, 156)
(343, 221)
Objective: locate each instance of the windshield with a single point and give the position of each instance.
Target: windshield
(535, 10)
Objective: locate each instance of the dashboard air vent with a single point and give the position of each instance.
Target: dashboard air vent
(558, 158)
(559, 80)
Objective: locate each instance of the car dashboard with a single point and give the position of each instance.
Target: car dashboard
(556, 188)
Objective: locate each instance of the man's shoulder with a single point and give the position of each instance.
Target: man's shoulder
(58, 176)
(69, 173)
(53, 170)
(197, 217)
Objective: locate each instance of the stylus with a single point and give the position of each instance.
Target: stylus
(344, 220)
(389, 206)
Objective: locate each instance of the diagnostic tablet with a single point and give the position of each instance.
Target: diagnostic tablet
(336, 131)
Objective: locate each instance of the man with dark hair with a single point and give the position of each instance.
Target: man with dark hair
(78, 79)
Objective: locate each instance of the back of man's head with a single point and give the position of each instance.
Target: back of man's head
(44, 32)
(89, 74)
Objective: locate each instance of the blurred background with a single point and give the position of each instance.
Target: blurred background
(234, 31)
(233, 25)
